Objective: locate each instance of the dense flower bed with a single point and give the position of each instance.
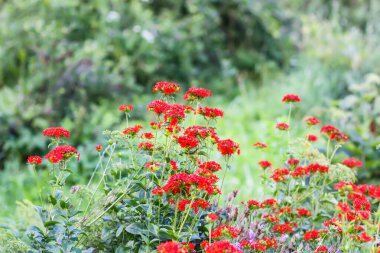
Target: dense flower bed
(157, 189)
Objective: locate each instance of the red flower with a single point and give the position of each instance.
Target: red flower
(224, 231)
(223, 246)
(166, 88)
(197, 94)
(152, 166)
(312, 121)
(61, 153)
(132, 131)
(282, 126)
(126, 108)
(228, 147)
(98, 147)
(293, 162)
(265, 164)
(312, 138)
(260, 145)
(279, 174)
(299, 172)
(34, 159)
(268, 203)
(211, 217)
(210, 165)
(253, 204)
(317, 167)
(352, 162)
(283, 228)
(158, 191)
(291, 98)
(339, 136)
(211, 113)
(148, 136)
(171, 247)
(56, 132)
(176, 113)
(303, 212)
(329, 130)
(311, 235)
(173, 164)
(363, 237)
(321, 249)
(148, 146)
(187, 142)
(343, 207)
(158, 107)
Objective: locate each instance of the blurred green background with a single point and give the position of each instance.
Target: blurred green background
(73, 62)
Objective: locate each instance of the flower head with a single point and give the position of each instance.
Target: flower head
(197, 94)
(352, 162)
(56, 132)
(282, 126)
(166, 88)
(126, 108)
(34, 159)
(228, 147)
(61, 153)
(98, 148)
(291, 98)
(312, 121)
(260, 145)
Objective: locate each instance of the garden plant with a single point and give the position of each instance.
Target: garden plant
(159, 188)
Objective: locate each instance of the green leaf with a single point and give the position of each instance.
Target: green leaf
(119, 230)
(135, 229)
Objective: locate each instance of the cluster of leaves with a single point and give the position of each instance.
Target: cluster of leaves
(359, 113)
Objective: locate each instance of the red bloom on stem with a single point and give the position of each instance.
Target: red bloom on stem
(363, 237)
(211, 217)
(293, 162)
(210, 165)
(224, 231)
(166, 88)
(315, 167)
(321, 249)
(173, 164)
(34, 159)
(339, 136)
(282, 126)
(228, 147)
(343, 207)
(291, 98)
(303, 212)
(283, 228)
(56, 132)
(329, 130)
(222, 246)
(352, 162)
(211, 113)
(158, 191)
(187, 142)
(279, 174)
(147, 146)
(260, 145)
(171, 247)
(98, 147)
(300, 172)
(265, 164)
(312, 121)
(176, 113)
(126, 108)
(311, 235)
(147, 135)
(268, 203)
(312, 138)
(253, 204)
(61, 153)
(132, 131)
(197, 94)
(158, 107)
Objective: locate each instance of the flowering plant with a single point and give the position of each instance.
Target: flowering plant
(156, 189)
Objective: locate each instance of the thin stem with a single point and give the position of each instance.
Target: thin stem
(187, 214)
(289, 117)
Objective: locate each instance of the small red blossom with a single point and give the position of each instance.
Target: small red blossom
(197, 94)
(158, 191)
(166, 88)
(187, 142)
(34, 159)
(228, 147)
(283, 228)
(260, 145)
(268, 203)
(173, 164)
(303, 212)
(171, 247)
(158, 107)
(315, 167)
(126, 108)
(329, 130)
(98, 148)
(152, 166)
(299, 172)
(311, 235)
(253, 204)
(321, 249)
(132, 131)
(291, 98)
(211, 217)
(148, 136)
(210, 165)
(147, 146)
(222, 246)
(282, 126)
(279, 174)
(56, 132)
(363, 237)
(352, 162)
(211, 113)
(61, 153)
(265, 164)
(224, 231)
(312, 121)
(312, 138)
(292, 162)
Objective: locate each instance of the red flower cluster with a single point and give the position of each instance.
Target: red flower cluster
(222, 246)
(147, 146)
(211, 113)
(265, 164)
(291, 98)
(334, 133)
(187, 142)
(282, 126)
(228, 147)
(61, 153)
(35, 159)
(211, 217)
(352, 162)
(312, 138)
(260, 145)
(224, 231)
(126, 108)
(56, 132)
(171, 247)
(312, 121)
(166, 88)
(210, 165)
(132, 131)
(98, 148)
(283, 228)
(279, 174)
(311, 235)
(197, 94)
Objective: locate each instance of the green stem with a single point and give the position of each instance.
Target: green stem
(187, 214)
